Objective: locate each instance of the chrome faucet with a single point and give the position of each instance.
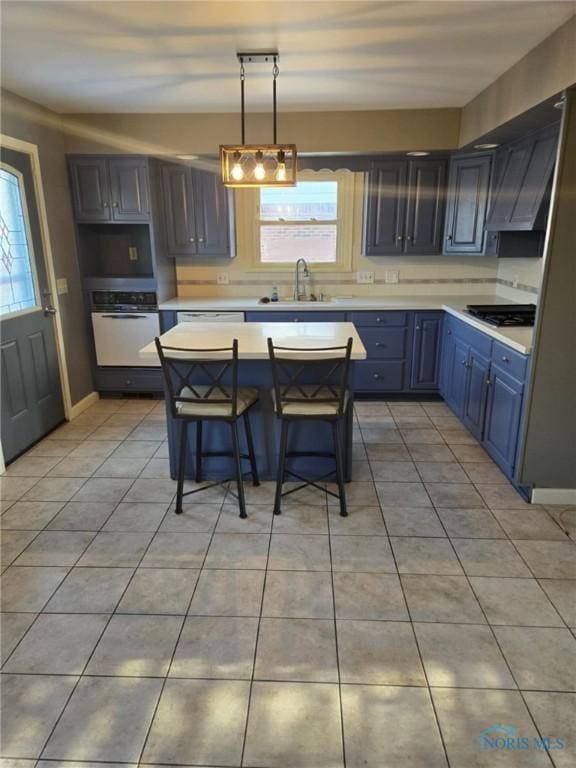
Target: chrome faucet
(299, 294)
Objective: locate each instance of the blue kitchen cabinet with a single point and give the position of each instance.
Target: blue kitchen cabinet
(477, 367)
(468, 195)
(427, 337)
(110, 189)
(453, 371)
(503, 414)
(315, 316)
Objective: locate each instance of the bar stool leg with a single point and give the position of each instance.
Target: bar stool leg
(198, 477)
(238, 465)
(181, 466)
(281, 467)
(339, 468)
(251, 455)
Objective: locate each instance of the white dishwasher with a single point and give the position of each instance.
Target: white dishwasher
(209, 317)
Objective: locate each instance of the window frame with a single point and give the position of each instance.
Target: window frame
(249, 224)
(30, 243)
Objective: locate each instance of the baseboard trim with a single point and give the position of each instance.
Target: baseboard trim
(554, 496)
(83, 404)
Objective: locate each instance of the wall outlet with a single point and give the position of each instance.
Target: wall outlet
(132, 253)
(364, 277)
(391, 276)
(61, 286)
(222, 278)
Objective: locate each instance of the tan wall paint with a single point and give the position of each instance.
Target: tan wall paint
(29, 122)
(543, 72)
(383, 131)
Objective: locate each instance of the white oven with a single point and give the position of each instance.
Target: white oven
(118, 336)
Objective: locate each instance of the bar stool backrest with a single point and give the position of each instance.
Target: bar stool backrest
(200, 376)
(318, 375)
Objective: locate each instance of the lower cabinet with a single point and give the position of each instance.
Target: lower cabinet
(483, 383)
(503, 414)
(128, 379)
(427, 337)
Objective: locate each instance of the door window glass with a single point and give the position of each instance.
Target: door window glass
(18, 291)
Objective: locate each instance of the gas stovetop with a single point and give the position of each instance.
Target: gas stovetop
(504, 314)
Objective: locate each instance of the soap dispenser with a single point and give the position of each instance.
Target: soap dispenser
(274, 296)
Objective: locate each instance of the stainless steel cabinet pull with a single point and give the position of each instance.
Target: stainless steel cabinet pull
(104, 205)
(380, 344)
(378, 319)
(418, 328)
(200, 239)
(505, 359)
(399, 237)
(114, 205)
(408, 237)
(296, 319)
(376, 376)
(192, 239)
(449, 333)
(448, 237)
(49, 310)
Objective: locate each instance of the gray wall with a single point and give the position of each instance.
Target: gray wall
(27, 121)
(549, 455)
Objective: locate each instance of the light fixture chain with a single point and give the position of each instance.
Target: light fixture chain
(242, 101)
(275, 73)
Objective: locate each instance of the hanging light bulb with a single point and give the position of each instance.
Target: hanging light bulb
(237, 171)
(281, 169)
(259, 170)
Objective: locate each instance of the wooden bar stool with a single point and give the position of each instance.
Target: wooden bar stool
(311, 388)
(195, 383)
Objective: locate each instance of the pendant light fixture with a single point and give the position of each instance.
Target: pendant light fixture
(258, 165)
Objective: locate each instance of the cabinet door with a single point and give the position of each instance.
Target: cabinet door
(425, 206)
(476, 392)
(211, 214)
(178, 197)
(385, 208)
(503, 413)
(457, 376)
(426, 350)
(468, 189)
(90, 189)
(129, 189)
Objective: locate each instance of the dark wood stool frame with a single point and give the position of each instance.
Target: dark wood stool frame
(178, 370)
(289, 374)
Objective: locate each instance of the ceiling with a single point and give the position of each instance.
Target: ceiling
(180, 56)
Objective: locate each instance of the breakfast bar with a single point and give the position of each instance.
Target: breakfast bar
(254, 371)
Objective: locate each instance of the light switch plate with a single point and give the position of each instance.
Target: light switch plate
(61, 286)
(222, 278)
(391, 276)
(364, 277)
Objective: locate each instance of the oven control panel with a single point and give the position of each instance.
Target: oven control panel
(127, 301)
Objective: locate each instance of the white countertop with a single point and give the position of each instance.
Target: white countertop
(253, 338)
(519, 339)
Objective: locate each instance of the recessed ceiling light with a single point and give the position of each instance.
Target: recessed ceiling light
(486, 146)
(417, 154)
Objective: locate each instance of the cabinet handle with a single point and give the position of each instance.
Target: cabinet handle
(505, 359)
(114, 205)
(448, 333)
(376, 376)
(380, 344)
(488, 382)
(192, 239)
(408, 237)
(296, 320)
(200, 239)
(399, 237)
(104, 205)
(448, 237)
(418, 328)
(378, 319)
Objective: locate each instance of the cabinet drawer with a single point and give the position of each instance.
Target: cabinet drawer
(384, 342)
(475, 338)
(378, 319)
(128, 379)
(514, 363)
(379, 376)
(295, 317)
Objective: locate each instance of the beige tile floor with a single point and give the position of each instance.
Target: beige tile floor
(442, 605)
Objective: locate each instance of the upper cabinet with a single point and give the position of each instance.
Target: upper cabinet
(110, 189)
(196, 212)
(468, 193)
(520, 200)
(404, 207)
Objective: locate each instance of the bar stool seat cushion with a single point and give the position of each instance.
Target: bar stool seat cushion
(203, 407)
(307, 401)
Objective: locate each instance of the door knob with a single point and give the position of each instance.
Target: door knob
(49, 310)
(200, 239)
(192, 239)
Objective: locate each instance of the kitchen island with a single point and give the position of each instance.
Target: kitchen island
(254, 371)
